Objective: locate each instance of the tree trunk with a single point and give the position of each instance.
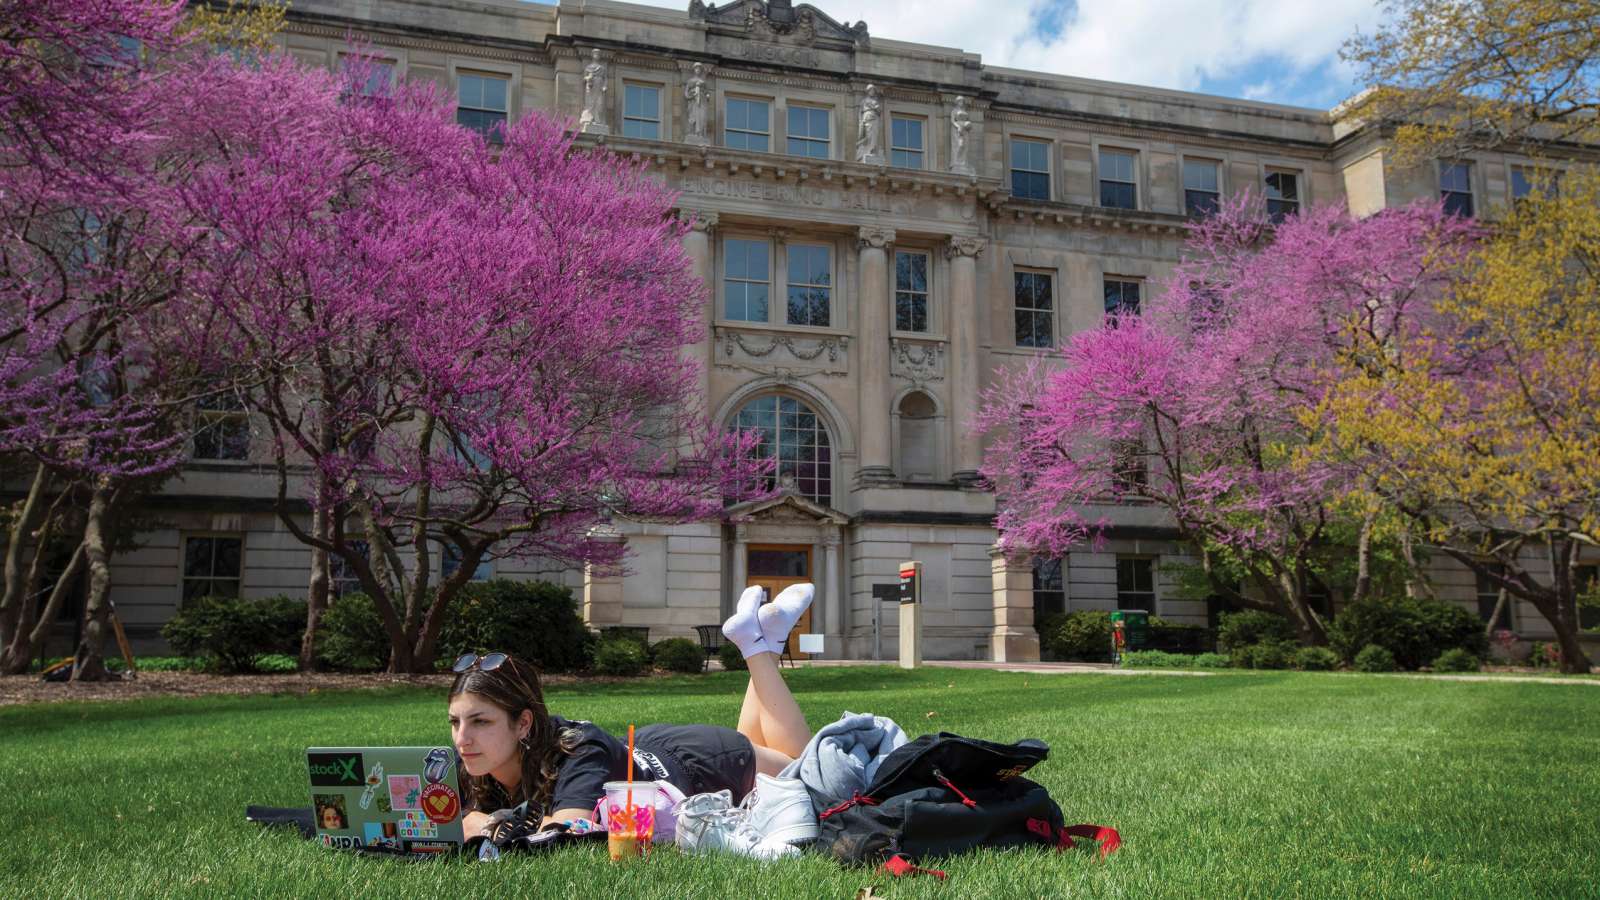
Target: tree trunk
(89, 662)
(22, 639)
(22, 649)
(16, 592)
(1364, 561)
(1499, 604)
(317, 589)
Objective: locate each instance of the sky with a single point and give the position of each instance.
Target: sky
(1279, 51)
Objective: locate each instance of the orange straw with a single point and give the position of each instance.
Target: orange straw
(630, 770)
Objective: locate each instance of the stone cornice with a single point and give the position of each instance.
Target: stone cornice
(337, 29)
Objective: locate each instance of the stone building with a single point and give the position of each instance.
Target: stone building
(881, 225)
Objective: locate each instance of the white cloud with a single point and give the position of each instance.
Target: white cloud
(1182, 44)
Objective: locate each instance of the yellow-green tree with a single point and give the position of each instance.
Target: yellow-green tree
(1482, 422)
(1451, 76)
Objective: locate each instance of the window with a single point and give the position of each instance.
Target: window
(1049, 590)
(1283, 194)
(1034, 302)
(1136, 585)
(224, 428)
(808, 132)
(1526, 180)
(450, 563)
(1455, 188)
(746, 279)
(1129, 469)
(344, 580)
(211, 567)
(1122, 299)
(1586, 580)
(481, 103)
(641, 111)
(1030, 169)
(1201, 188)
(794, 435)
(747, 125)
(910, 291)
(1489, 597)
(905, 142)
(379, 80)
(1118, 186)
(810, 280)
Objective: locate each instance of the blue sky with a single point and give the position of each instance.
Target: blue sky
(1280, 51)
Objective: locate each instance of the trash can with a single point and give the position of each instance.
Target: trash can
(1130, 630)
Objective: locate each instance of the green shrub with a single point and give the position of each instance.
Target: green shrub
(1545, 655)
(163, 663)
(618, 657)
(679, 655)
(1175, 638)
(1457, 659)
(277, 663)
(732, 658)
(1046, 626)
(1316, 659)
(627, 633)
(1414, 631)
(1212, 661)
(230, 632)
(1248, 627)
(1156, 659)
(352, 636)
(1374, 658)
(536, 621)
(1274, 655)
(1084, 635)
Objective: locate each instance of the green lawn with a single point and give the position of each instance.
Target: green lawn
(1253, 784)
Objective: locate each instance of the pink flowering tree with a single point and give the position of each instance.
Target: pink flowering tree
(1203, 405)
(101, 106)
(462, 349)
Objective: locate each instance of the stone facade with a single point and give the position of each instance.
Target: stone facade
(901, 193)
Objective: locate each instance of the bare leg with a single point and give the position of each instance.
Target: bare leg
(750, 716)
(783, 725)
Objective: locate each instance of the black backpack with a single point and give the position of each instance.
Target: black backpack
(942, 794)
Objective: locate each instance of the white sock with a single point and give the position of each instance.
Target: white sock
(743, 627)
(778, 617)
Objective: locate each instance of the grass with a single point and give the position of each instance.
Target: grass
(1249, 784)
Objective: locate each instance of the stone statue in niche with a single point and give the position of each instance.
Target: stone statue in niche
(960, 138)
(697, 97)
(595, 86)
(869, 140)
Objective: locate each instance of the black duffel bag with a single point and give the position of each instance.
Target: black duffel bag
(943, 794)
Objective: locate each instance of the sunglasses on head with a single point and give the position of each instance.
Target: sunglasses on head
(485, 663)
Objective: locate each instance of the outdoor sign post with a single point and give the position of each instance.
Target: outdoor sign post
(910, 614)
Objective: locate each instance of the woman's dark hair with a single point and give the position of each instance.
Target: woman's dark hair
(513, 686)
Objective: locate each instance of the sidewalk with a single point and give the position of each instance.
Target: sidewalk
(1032, 668)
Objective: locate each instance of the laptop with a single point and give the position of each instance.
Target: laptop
(401, 799)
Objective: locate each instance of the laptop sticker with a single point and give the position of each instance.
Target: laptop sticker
(436, 764)
(330, 812)
(439, 803)
(336, 769)
(374, 778)
(405, 791)
(416, 825)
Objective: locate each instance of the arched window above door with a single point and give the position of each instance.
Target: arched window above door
(793, 434)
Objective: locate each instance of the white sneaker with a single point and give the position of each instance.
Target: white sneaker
(781, 812)
(709, 823)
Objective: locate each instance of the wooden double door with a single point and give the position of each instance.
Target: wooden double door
(775, 567)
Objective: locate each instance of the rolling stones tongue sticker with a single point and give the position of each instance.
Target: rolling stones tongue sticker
(440, 804)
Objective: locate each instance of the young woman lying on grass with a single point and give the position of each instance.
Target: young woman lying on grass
(529, 767)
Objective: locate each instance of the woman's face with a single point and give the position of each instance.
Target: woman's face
(330, 819)
(485, 737)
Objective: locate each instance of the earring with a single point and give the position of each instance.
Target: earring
(525, 744)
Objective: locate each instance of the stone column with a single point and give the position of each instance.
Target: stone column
(697, 242)
(1014, 638)
(602, 590)
(833, 597)
(964, 364)
(741, 558)
(872, 356)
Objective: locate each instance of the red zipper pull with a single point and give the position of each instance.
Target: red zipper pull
(946, 782)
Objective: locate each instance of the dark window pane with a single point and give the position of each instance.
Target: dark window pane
(226, 562)
(1117, 195)
(197, 553)
(779, 563)
(1199, 204)
(1457, 203)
